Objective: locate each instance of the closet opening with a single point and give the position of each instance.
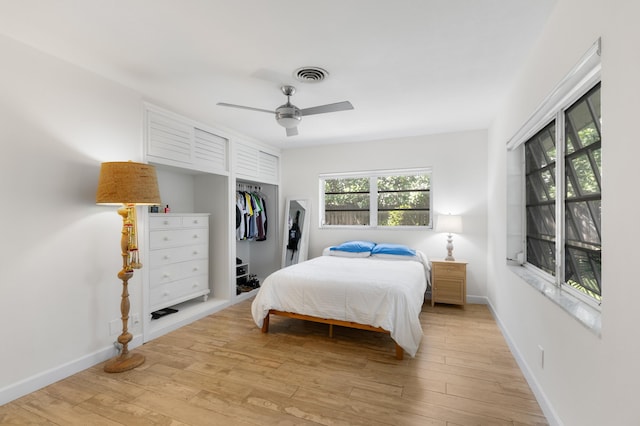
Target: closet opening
(256, 234)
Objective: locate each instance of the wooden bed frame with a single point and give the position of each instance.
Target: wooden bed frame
(331, 322)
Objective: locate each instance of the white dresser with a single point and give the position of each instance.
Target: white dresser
(178, 258)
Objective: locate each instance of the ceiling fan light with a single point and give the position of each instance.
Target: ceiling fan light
(288, 122)
(288, 116)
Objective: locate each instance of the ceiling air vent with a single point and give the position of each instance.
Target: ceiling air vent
(310, 74)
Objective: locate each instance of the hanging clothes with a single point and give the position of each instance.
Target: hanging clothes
(262, 222)
(241, 212)
(251, 216)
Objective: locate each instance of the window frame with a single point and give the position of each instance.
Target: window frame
(373, 176)
(558, 277)
(582, 79)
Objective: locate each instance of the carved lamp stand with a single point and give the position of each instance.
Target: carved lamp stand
(451, 224)
(129, 184)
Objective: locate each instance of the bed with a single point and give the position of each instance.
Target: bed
(370, 290)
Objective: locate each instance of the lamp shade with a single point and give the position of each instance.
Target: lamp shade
(127, 183)
(449, 223)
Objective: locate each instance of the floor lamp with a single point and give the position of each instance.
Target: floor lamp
(452, 224)
(127, 184)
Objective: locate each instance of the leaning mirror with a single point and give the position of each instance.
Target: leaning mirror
(296, 231)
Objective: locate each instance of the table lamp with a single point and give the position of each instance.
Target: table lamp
(452, 224)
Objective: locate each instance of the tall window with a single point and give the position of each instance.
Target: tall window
(397, 198)
(571, 190)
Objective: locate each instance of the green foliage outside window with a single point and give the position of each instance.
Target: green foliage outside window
(399, 199)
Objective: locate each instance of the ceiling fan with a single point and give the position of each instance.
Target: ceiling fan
(289, 115)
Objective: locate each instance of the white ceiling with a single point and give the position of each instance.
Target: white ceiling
(409, 67)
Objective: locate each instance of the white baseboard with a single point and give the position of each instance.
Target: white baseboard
(45, 378)
(476, 300)
(541, 397)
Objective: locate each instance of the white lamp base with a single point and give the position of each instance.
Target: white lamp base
(449, 248)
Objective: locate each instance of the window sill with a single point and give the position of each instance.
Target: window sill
(587, 315)
(379, 228)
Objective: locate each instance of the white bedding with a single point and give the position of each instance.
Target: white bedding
(377, 292)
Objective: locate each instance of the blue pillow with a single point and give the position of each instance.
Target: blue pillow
(355, 246)
(397, 249)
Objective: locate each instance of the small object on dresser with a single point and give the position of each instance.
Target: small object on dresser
(167, 209)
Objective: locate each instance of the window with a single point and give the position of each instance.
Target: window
(570, 190)
(554, 191)
(395, 198)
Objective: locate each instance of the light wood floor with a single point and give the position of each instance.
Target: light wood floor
(222, 371)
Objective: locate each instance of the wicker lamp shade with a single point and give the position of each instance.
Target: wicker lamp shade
(128, 183)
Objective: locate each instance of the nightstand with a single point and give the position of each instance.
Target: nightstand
(449, 282)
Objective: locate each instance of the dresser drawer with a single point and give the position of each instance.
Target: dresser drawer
(195, 221)
(170, 238)
(167, 256)
(453, 270)
(177, 271)
(173, 220)
(178, 291)
(164, 221)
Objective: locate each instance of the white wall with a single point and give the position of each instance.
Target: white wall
(587, 379)
(60, 252)
(459, 173)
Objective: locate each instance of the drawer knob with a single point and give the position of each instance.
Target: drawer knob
(195, 221)
(195, 252)
(166, 238)
(166, 275)
(195, 235)
(166, 222)
(195, 269)
(167, 257)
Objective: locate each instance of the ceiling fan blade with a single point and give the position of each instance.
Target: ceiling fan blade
(245, 107)
(292, 131)
(338, 106)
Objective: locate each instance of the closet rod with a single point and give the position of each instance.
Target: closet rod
(244, 187)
